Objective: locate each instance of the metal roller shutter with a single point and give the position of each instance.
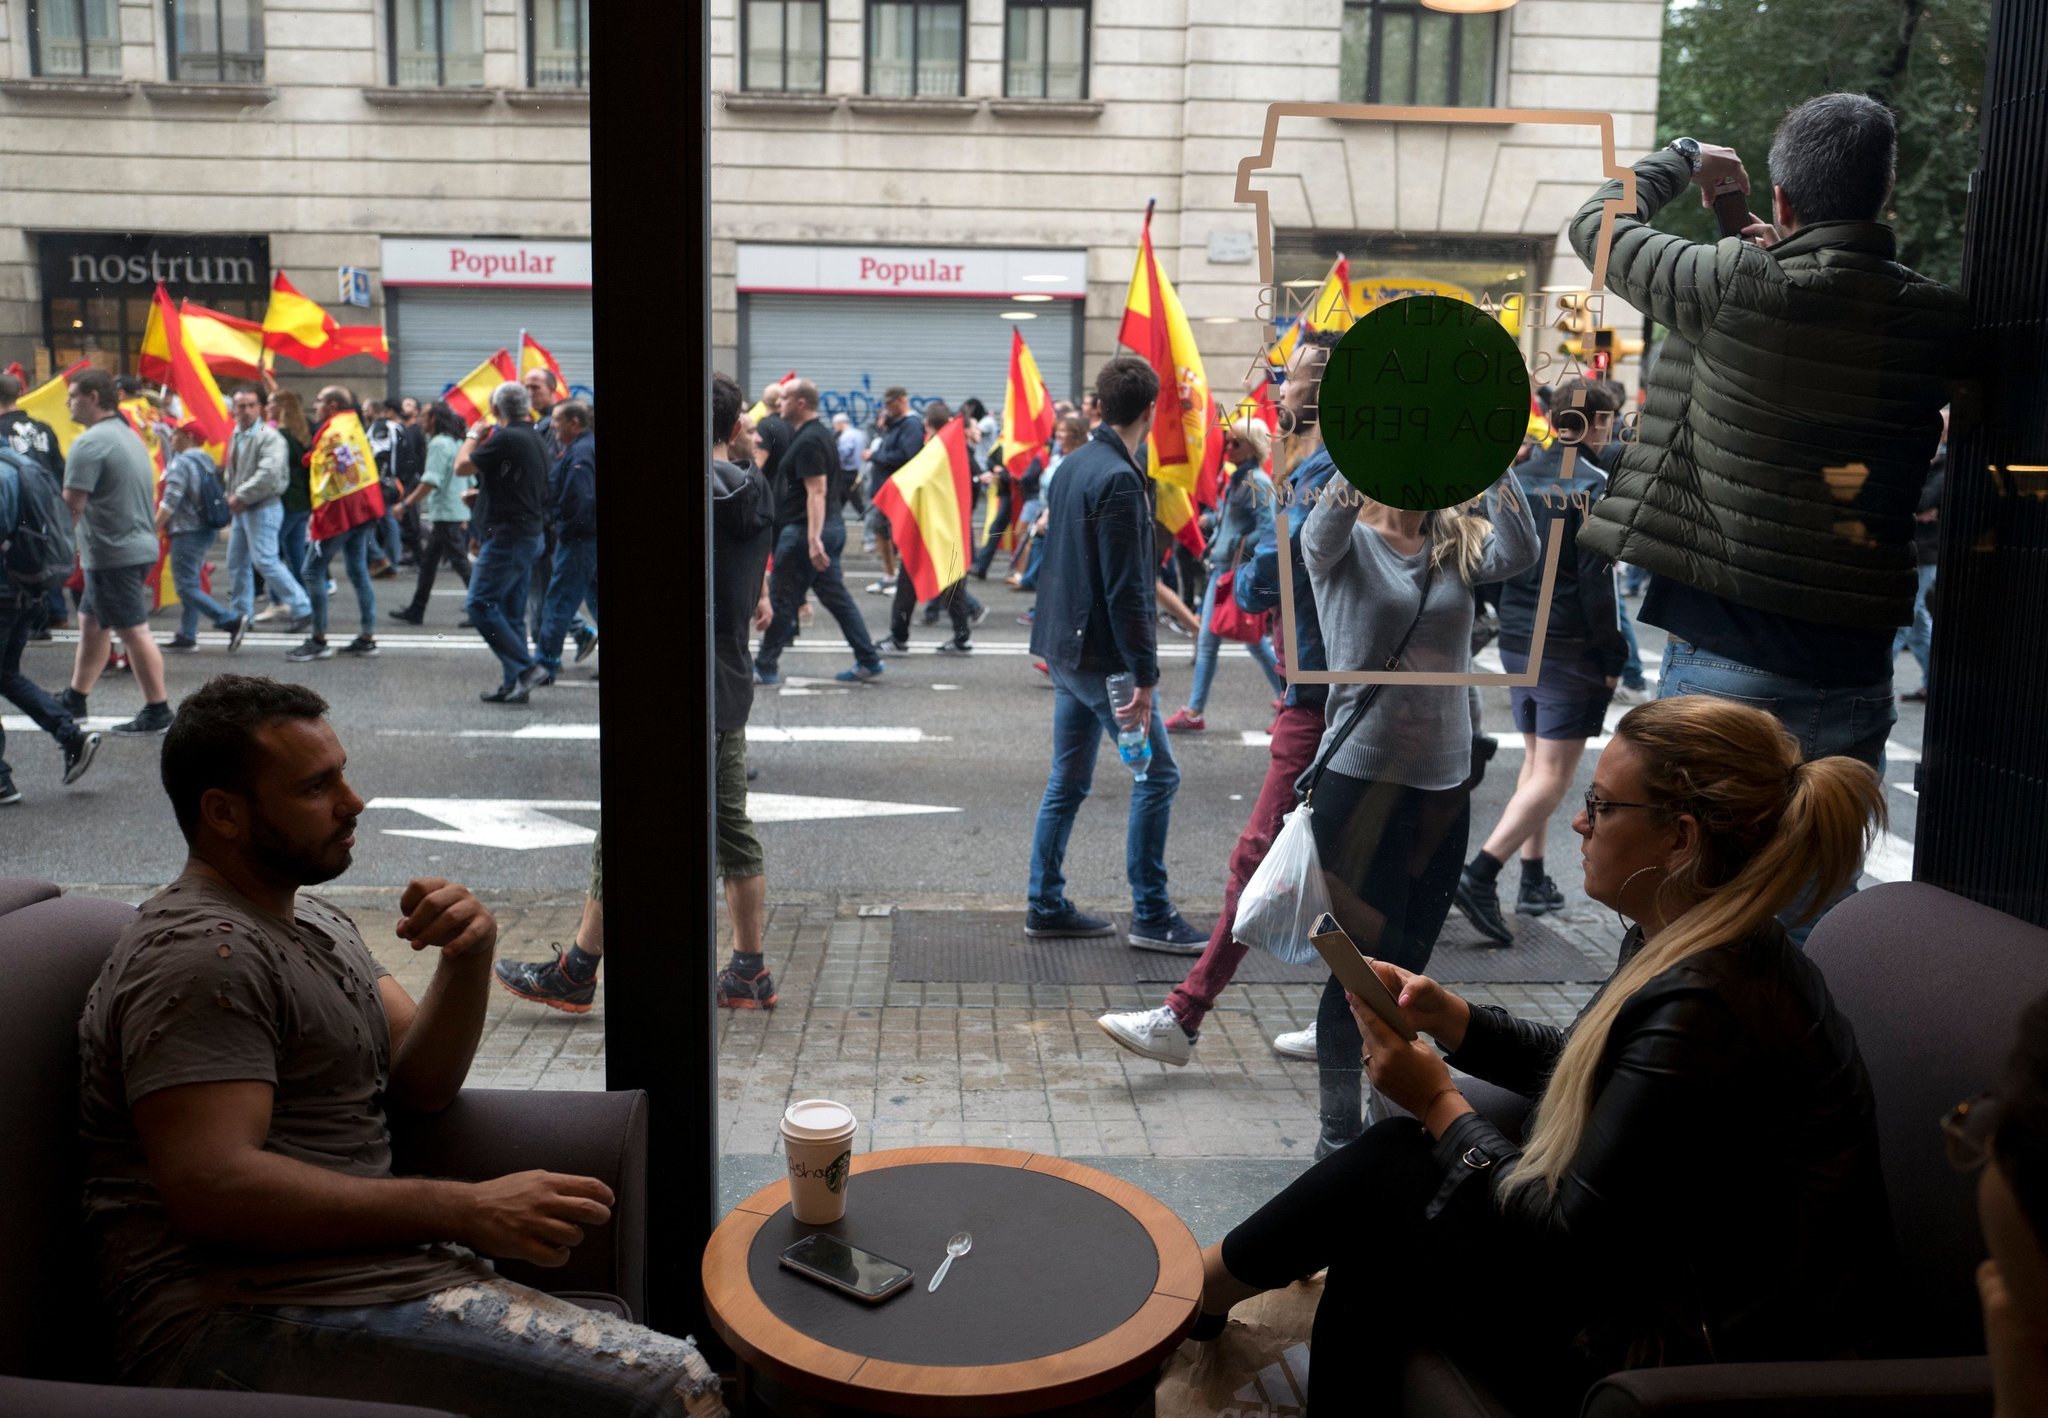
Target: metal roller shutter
(440, 335)
(946, 347)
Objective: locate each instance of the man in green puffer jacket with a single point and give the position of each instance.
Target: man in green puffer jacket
(1787, 428)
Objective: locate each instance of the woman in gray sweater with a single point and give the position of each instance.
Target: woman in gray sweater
(1392, 807)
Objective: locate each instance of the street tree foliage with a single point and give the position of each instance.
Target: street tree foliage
(1731, 69)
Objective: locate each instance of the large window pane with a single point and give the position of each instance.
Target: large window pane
(77, 38)
(1355, 54)
(1397, 57)
(561, 43)
(938, 49)
(1475, 61)
(1433, 57)
(805, 64)
(218, 41)
(892, 46)
(438, 42)
(1026, 75)
(1066, 41)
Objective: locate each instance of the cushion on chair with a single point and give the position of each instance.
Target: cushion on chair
(32, 1398)
(19, 891)
(1934, 985)
(50, 953)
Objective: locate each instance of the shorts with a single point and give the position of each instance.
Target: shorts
(1569, 701)
(597, 868)
(739, 849)
(878, 523)
(116, 597)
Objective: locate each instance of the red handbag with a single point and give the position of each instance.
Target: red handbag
(1228, 621)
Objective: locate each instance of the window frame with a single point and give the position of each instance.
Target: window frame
(582, 84)
(1087, 9)
(35, 40)
(824, 48)
(1455, 67)
(171, 52)
(867, 78)
(440, 46)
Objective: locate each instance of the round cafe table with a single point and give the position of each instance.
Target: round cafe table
(1077, 1289)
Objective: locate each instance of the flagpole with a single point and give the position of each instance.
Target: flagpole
(1150, 203)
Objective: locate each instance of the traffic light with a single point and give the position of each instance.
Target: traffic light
(1602, 362)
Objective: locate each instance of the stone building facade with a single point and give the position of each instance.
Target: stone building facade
(339, 135)
(874, 236)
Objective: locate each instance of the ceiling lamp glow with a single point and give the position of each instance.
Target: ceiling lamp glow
(1031, 297)
(1020, 315)
(1467, 7)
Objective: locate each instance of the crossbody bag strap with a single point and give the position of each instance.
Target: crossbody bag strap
(1372, 691)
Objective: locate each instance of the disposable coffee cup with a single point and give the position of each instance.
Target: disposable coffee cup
(818, 1136)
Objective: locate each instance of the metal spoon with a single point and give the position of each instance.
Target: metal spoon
(960, 1245)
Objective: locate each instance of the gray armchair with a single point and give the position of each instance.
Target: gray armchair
(1934, 985)
(54, 1353)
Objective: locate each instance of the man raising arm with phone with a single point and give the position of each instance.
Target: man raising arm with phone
(238, 1055)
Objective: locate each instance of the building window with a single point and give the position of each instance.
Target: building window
(437, 43)
(215, 41)
(1045, 49)
(783, 44)
(917, 48)
(1397, 52)
(558, 44)
(74, 39)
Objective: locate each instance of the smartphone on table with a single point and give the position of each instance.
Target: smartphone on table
(1353, 969)
(846, 1268)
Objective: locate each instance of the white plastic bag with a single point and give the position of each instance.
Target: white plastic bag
(1286, 895)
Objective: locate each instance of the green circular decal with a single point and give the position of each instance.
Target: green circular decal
(1424, 402)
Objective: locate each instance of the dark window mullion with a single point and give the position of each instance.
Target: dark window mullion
(1372, 69)
(84, 43)
(1456, 86)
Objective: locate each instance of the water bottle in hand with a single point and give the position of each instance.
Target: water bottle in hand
(1133, 741)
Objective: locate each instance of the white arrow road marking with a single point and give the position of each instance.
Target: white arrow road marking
(515, 824)
(791, 807)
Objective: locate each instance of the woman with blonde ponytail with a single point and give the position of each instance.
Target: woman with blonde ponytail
(1699, 1181)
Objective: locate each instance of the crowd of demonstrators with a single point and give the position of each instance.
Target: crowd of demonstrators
(1584, 652)
(244, 1154)
(1712, 1080)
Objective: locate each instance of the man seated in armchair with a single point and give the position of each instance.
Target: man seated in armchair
(238, 1056)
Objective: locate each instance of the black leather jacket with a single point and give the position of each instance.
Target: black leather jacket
(1725, 1202)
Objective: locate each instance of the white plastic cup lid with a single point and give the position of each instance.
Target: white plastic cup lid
(816, 1119)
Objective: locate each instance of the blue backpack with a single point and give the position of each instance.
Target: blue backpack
(212, 499)
(37, 550)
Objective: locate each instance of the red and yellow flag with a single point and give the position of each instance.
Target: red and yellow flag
(926, 502)
(1156, 326)
(1331, 309)
(297, 328)
(1027, 409)
(344, 477)
(50, 403)
(230, 346)
(534, 355)
(470, 396)
(170, 355)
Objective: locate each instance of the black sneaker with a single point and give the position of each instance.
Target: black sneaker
(73, 703)
(547, 982)
(236, 629)
(310, 649)
(302, 626)
(586, 643)
(1480, 901)
(956, 647)
(154, 719)
(1538, 897)
(408, 615)
(533, 677)
(890, 647)
(1070, 922)
(1170, 936)
(513, 693)
(78, 757)
(737, 991)
(9, 794)
(180, 644)
(363, 646)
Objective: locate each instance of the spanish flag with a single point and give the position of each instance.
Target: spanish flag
(230, 346)
(295, 327)
(534, 355)
(344, 478)
(470, 396)
(51, 405)
(146, 420)
(760, 410)
(1157, 328)
(1027, 409)
(926, 502)
(170, 355)
(1329, 310)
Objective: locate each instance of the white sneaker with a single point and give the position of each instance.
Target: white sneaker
(1301, 1044)
(1151, 1034)
(1624, 695)
(273, 615)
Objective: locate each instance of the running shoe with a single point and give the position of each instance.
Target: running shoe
(1151, 1034)
(547, 982)
(737, 991)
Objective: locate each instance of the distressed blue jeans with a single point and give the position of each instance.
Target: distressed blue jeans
(1080, 717)
(487, 1348)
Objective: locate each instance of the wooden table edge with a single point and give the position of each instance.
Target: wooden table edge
(805, 1364)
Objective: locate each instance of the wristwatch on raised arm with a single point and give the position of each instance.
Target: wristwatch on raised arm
(1689, 149)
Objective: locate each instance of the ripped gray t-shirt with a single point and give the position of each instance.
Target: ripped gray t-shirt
(204, 987)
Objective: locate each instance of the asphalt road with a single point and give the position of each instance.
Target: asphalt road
(931, 776)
